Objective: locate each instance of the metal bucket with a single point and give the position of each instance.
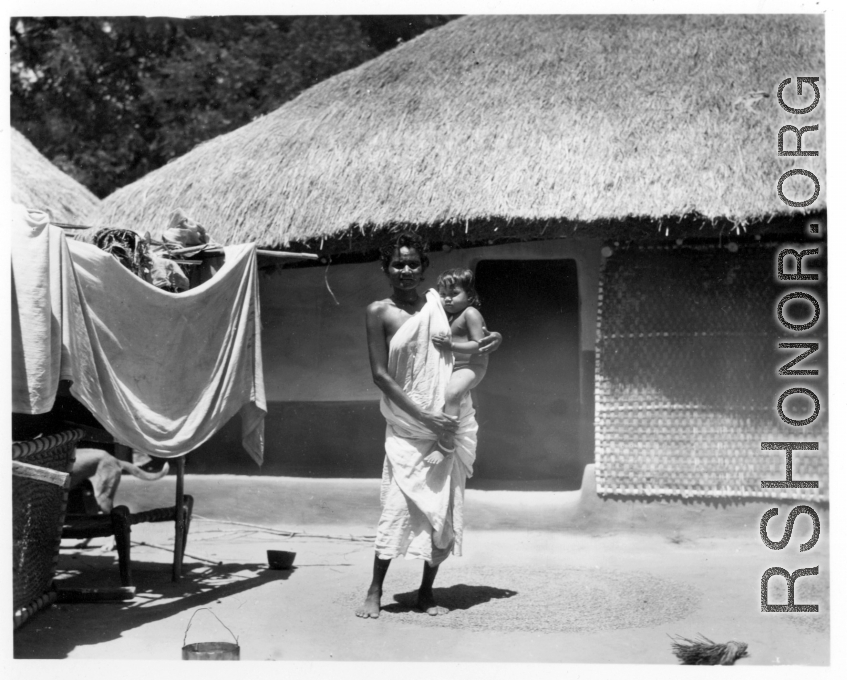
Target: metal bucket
(210, 651)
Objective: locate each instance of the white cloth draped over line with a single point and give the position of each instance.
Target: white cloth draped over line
(161, 372)
(423, 504)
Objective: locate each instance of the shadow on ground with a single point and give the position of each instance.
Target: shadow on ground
(456, 597)
(157, 598)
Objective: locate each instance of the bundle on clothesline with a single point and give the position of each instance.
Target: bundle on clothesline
(184, 231)
(140, 255)
(131, 249)
(154, 261)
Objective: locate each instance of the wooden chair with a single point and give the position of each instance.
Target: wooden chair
(119, 522)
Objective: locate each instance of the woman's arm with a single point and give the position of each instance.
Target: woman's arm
(378, 354)
(490, 342)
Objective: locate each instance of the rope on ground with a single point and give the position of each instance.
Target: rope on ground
(289, 534)
(164, 547)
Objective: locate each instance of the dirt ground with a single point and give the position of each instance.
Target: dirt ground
(595, 591)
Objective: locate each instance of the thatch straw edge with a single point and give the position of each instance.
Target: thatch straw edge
(527, 118)
(38, 184)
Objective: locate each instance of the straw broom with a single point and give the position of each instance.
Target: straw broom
(705, 652)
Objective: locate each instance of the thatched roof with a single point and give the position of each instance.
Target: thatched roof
(38, 184)
(515, 119)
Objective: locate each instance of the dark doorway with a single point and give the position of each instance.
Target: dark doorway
(528, 405)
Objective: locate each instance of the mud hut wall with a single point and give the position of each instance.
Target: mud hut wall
(313, 332)
(323, 415)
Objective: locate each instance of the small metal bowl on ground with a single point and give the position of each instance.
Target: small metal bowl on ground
(280, 559)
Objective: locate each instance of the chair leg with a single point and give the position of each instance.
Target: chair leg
(121, 528)
(189, 508)
(179, 520)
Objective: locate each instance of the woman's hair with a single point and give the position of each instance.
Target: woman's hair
(461, 278)
(405, 239)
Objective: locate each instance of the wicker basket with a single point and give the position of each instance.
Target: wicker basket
(38, 512)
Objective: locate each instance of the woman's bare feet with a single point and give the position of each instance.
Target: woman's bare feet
(370, 607)
(426, 603)
(434, 458)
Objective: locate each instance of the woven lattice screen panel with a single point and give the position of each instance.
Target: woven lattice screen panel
(687, 382)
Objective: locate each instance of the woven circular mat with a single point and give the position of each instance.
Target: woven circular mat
(539, 600)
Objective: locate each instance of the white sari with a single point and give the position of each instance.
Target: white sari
(422, 504)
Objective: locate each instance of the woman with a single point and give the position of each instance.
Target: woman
(421, 503)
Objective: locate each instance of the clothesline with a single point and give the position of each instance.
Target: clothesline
(284, 255)
(266, 253)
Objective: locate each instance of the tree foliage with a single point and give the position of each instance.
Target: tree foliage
(108, 99)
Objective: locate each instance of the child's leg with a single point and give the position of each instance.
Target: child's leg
(462, 380)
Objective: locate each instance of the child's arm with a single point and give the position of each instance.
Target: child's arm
(476, 332)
